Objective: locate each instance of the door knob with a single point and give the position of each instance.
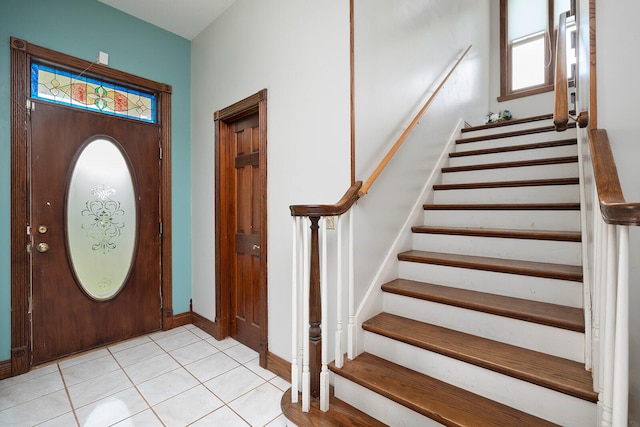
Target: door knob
(42, 247)
(256, 247)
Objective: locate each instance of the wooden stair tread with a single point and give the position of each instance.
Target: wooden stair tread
(514, 164)
(508, 122)
(522, 132)
(533, 146)
(525, 268)
(432, 398)
(503, 206)
(339, 414)
(558, 316)
(564, 236)
(506, 184)
(563, 375)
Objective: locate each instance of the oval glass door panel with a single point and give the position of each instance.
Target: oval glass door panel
(101, 219)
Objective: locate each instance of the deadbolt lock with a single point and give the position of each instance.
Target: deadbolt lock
(42, 229)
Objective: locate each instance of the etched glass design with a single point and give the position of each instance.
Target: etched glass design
(62, 87)
(101, 219)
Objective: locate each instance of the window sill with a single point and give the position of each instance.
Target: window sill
(527, 92)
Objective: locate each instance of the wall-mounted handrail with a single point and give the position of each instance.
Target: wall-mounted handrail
(561, 101)
(615, 209)
(378, 170)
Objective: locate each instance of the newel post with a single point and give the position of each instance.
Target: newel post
(315, 312)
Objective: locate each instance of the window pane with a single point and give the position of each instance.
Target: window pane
(526, 17)
(527, 63)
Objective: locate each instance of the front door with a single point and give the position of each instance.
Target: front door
(96, 271)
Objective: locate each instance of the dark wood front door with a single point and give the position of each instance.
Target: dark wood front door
(241, 267)
(66, 318)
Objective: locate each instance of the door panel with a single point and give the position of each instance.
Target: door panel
(245, 301)
(65, 319)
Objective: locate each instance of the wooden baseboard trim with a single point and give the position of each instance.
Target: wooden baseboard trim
(5, 369)
(181, 319)
(279, 366)
(205, 324)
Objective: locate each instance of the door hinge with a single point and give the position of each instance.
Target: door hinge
(161, 228)
(160, 152)
(161, 302)
(30, 105)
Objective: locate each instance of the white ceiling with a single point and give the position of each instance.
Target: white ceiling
(186, 18)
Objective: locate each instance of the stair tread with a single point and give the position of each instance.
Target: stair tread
(514, 164)
(339, 414)
(527, 268)
(442, 402)
(505, 184)
(509, 122)
(563, 375)
(558, 316)
(509, 148)
(531, 131)
(503, 206)
(565, 236)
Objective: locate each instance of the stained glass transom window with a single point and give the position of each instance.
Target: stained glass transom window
(62, 87)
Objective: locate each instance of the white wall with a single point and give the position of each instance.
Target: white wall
(299, 51)
(401, 48)
(617, 33)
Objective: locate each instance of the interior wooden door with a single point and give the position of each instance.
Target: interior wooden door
(76, 305)
(246, 308)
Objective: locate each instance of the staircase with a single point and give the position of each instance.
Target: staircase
(484, 325)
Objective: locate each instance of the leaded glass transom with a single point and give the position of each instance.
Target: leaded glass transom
(62, 87)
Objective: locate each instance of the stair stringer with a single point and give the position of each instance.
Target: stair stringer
(371, 303)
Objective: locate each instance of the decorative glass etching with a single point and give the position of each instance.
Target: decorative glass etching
(101, 219)
(62, 87)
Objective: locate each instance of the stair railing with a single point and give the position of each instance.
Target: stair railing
(611, 274)
(310, 282)
(561, 114)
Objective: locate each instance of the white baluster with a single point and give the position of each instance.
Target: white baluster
(306, 376)
(295, 318)
(609, 327)
(351, 332)
(339, 356)
(621, 360)
(324, 302)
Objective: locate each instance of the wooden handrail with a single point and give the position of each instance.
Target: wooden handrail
(614, 208)
(343, 205)
(369, 182)
(561, 102)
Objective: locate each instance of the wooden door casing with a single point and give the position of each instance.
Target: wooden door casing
(240, 223)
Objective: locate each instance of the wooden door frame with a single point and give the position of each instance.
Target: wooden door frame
(21, 54)
(224, 226)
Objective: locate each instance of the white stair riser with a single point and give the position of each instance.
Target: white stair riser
(551, 251)
(562, 170)
(513, 140)
(509, 128)
(561, 292)
(525, 194)
(533, 336)
(515, 156)
(525, 220)
(527, 397)
(378, 406)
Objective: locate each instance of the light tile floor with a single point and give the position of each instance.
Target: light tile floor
(181, 377)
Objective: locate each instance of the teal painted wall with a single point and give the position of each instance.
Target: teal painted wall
(82, 28)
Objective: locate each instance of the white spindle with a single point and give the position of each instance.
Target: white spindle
(609, 327)
(339, 356)
(351, 332)
(306, 375)
(295, 318)
(324, 322)
(621, 360)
